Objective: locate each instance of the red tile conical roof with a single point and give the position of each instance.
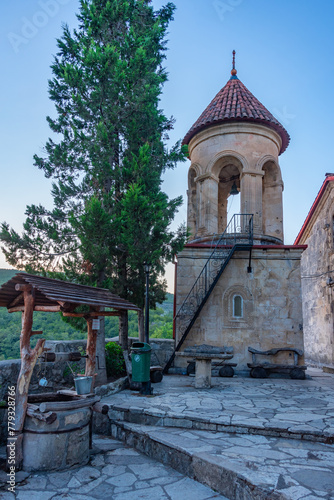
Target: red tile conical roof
(235, 103)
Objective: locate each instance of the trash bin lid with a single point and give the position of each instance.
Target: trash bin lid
(140, 347)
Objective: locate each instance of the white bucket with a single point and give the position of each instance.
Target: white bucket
(83, 385)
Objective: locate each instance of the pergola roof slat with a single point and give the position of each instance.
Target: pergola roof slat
(52, 292)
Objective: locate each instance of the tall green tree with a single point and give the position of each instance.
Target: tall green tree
(110, 214)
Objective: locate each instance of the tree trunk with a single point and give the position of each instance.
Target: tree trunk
(141, 326)
(101, 370)
(124, 330)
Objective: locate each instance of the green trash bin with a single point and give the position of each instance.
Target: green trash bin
(141, 361)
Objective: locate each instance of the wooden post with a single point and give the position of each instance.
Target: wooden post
(28, 360)
(91, 348)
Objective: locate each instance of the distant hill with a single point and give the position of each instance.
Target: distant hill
(54, 328)
(6, 274)
(168, 305)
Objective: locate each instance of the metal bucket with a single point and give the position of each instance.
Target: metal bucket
(83, 385)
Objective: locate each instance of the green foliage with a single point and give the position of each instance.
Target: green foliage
(72, 368)
(114, 359)
(54, 328)
(6, 275)
(51, 324)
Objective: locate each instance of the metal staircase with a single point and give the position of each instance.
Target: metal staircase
(238, 235)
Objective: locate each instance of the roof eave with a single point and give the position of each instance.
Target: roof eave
(313, 208)
(279, 129)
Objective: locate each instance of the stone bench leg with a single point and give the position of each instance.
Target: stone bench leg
(203, 374)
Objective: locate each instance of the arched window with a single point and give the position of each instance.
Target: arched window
(237, 306)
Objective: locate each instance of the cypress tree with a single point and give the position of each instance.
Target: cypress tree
(110, 214)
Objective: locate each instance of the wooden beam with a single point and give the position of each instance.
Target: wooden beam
(34, 412)
(16, 309)
(47, 308)
(67, 306)
(91, 314)
(37, 332)
(36, 308)
(23, 288)
(101, 408)
(16, 300)
(68, 405)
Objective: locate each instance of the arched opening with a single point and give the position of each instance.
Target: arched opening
(272, 207)
(192, 202)
(238, 306)
(228, 204)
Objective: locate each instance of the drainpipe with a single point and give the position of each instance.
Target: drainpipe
(174, 302)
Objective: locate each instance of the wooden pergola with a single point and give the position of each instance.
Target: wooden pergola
(27, 293)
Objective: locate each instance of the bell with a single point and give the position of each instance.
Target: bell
(234, 189)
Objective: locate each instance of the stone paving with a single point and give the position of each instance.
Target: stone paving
(115, 472)
(301, 409)
(234, 438)
(275, 468)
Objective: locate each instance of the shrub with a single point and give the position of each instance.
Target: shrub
(114, 360)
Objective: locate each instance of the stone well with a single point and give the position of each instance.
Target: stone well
(65, 442)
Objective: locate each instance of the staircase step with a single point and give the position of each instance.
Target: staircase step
(226, 422)
(251, 467)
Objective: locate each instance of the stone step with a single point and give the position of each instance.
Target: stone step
(225, 422)
(251, 467)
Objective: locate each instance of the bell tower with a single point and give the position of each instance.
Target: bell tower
(237, 284)
(234, 148)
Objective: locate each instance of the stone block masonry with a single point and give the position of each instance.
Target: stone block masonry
(271, 312)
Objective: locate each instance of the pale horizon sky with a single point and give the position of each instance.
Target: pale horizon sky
(284, 57)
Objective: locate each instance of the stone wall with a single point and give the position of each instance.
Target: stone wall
(317, 290)
(271, 296)
(59, 375)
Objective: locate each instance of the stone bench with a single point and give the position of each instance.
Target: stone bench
(202, 356)
(261, 369)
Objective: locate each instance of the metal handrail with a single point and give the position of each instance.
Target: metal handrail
(238, 229)
(238, 234)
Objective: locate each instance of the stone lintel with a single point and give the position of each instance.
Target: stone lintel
(204, 177)
(250, 172)
(193, 251)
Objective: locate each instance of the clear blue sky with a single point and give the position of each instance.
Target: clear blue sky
(284, 57)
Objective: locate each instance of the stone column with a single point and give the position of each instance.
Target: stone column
(207, 189)
(251, 197)
(203, 373)
(191, 213)
(273, 210)
(223, 192)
